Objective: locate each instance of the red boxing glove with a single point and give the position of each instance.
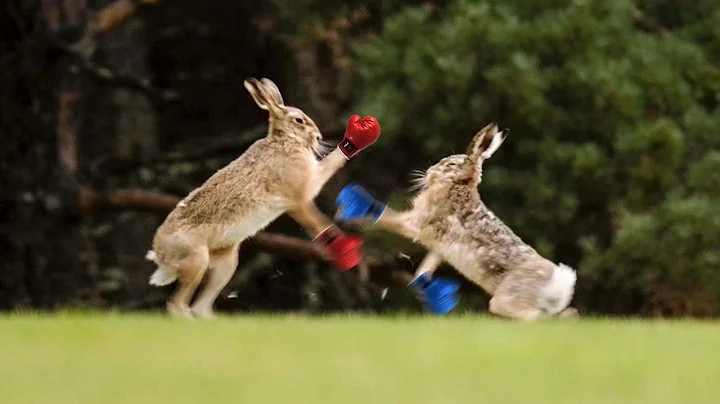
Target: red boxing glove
(344, 249)
(359, 134)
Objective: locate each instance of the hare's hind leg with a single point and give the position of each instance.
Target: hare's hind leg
(512, 307)
(569, 312)
(558, 292)
(519, 295)
(223, 264)
(190, 272)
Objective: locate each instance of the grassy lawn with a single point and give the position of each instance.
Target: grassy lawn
(94, 358)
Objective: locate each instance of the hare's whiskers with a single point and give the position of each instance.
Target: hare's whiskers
(321, 148)
(417, 180)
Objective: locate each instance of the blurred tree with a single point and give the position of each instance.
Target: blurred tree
(49, 62)
(613, 120)
(84, 142)
(610, 165)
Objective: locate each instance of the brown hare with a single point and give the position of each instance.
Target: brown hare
(451, 221)
(277, 174)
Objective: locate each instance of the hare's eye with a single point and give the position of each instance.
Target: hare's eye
(299, 120)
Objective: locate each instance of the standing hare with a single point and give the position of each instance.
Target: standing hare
(275, 175)
(451, 221)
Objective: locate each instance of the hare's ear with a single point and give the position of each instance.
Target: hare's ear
(254, 88)
(497, 141)
(272, 92)
(476, 146)
(485, 143)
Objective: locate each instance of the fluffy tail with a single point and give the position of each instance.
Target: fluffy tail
(161, 276)
(559, 292)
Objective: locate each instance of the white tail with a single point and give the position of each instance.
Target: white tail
(151, 256)
(161, 276)
(559, 292)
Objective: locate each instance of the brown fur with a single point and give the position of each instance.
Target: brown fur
(277, 174)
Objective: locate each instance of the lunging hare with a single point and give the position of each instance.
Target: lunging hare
(451, 221)
(275, 175)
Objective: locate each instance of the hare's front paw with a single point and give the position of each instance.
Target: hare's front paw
(356, 204)
(177, 310)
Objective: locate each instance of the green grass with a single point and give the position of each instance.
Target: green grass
(112, 358)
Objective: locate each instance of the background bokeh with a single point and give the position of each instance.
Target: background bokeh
(111, 109)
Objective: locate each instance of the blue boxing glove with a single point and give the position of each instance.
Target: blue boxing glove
(439, 295)
(355, 202)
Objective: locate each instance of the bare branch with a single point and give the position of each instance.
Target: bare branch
(90, 201)
(117, 13)
(125, 199)
(647, 24)
(80, 40)
(113, 77)
(190, 151)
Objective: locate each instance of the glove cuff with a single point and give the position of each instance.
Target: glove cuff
(348, 148)
(376, 210)
(328, 235)
(421, 281)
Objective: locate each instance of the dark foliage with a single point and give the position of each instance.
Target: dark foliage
(611, 163)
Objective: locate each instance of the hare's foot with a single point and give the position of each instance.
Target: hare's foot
(204, 314)
(506, 306)
(569, 312)
(179, 310)
(190, 271)
(223, 264)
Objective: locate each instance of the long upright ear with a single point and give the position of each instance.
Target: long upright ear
(253, 86)
(497, 141)
(480, 142)
(483, 145)
(272, 92)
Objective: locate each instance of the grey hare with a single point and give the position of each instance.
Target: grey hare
(449, 218)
